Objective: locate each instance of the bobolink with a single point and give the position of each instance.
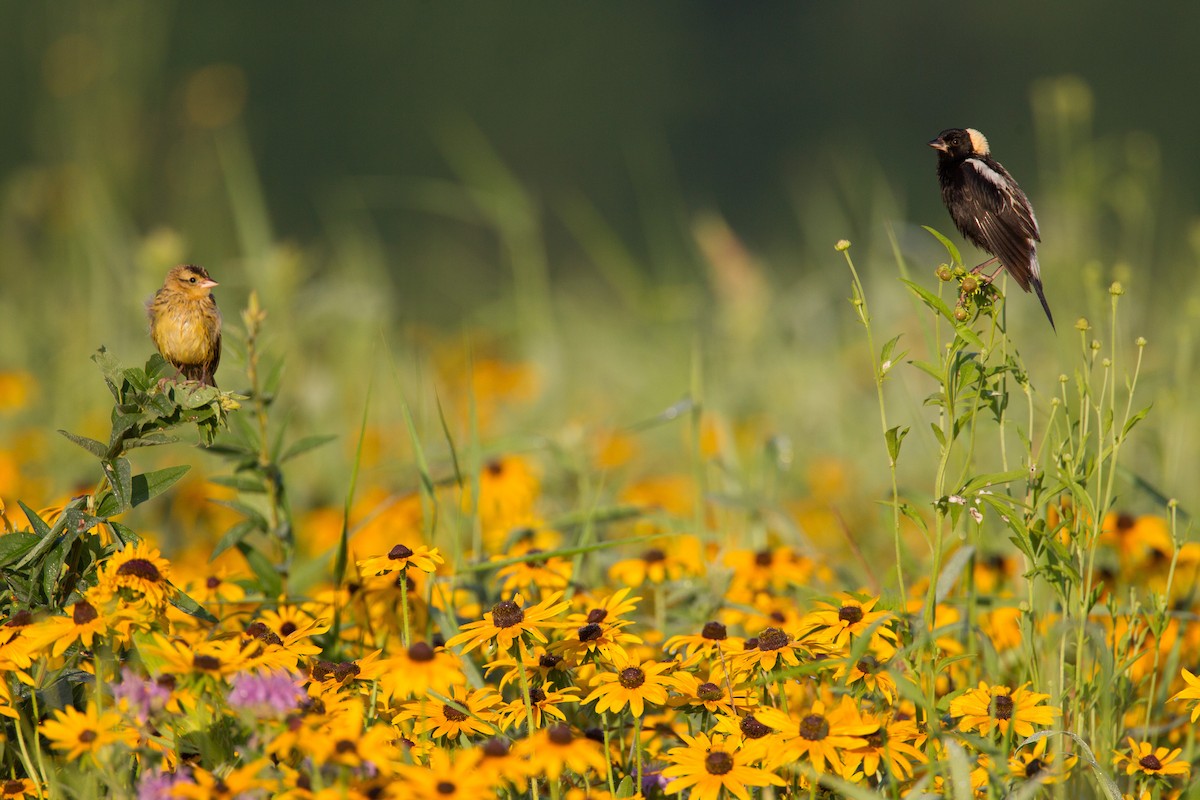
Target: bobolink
(988, 206)
(185, 323)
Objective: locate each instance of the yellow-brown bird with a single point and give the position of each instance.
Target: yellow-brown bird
(185, 323)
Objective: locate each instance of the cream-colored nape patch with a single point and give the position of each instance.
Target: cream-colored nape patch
(979, 142)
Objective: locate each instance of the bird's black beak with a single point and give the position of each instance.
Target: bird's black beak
(939, 144)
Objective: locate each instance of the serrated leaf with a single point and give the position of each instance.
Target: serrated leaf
(895, 438)
(151, 484)
(304, 445)
(951, 248)
(233, 537)
(98, 449)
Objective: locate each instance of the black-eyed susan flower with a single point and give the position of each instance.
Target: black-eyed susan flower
(892, 748)
(772, 649)
(596, 641)
(555, 750)
(465, 712)
(401, 558)
(849, 617)
(631, 685)
(1143, 758)
(870, 673)
(706, 764)
(672, 561)
(241, 781)
(712, 641)
(508, 622)
(1038, 763)
(1191, 692)
(539, 665)
(770, 569)
(537, 573)
(207, 658)
(544, 705)
(447, 776)
(987, 708)
(83, 624)
(20, 789)
(77, 733)
(419, 669)
(137, 573)
(823, 736)
(714, 692)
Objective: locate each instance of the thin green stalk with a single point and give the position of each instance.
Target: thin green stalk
(528, 703)
(880, 369)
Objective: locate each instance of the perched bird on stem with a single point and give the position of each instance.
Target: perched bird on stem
(989, 208)
(185, 323)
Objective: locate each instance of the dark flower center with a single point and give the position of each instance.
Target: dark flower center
(537, 696)
(714, 631)
(399, 553)
(709, 692)
(260, 631)
(140, 568)
(84, 613)
(212, 582)
(772, 639)
(763, 558)
(1125, 522)
(590, 632)
(453, 714)
(548, 661)
(751, 728)
(90, 736)
(495, 468)
(446, 787)
(597, 615)
(1150, 762)
(1002, 706)
(206, 663)
(718, 762)
(20, 619)
(814, 727)
(868, 665)
(13, 788)
(506, 614)
(287, 628)
(1034, 766)
(347, 669)
(560, 735)
(631, 677)
(495, 748)
(345, 746)
(654, 555)
(877, 739)
(420, 651)
(850, 614)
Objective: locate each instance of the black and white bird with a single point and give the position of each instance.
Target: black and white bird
(988, 206)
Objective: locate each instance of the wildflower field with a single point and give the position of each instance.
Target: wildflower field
(480, 531)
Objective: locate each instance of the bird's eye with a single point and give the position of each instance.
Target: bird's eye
(192, 279)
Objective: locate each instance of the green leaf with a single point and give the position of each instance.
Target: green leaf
(625, 788)
(885, 354)
(37, 523)
(189, 606)
(14, 545)
(1110, 787)
(895, 437)
(251, 484)
(269, 581)
(120, 479)
(909, 511)
(953, 570)
(930, 299)
(932, 370)
(1135, 419)
(955, 256)
(994, 479)
(937, 432)
(232, 537)
(151, 484)
(250, 513)
(98, 449)
(304, 445)
(123, 534)
(151, 440)
(967, 335)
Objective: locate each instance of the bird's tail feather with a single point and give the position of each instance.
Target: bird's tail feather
(1037, 287)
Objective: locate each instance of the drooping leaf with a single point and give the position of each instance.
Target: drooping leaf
(151, 484)
(188, 605)
(302, 446)
(98, 449)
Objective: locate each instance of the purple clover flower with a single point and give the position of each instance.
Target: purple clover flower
(266, 694)
(143, 697)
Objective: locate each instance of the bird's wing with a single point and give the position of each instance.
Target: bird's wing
(1006, 222)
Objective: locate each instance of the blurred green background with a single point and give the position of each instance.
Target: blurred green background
(632, 198)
